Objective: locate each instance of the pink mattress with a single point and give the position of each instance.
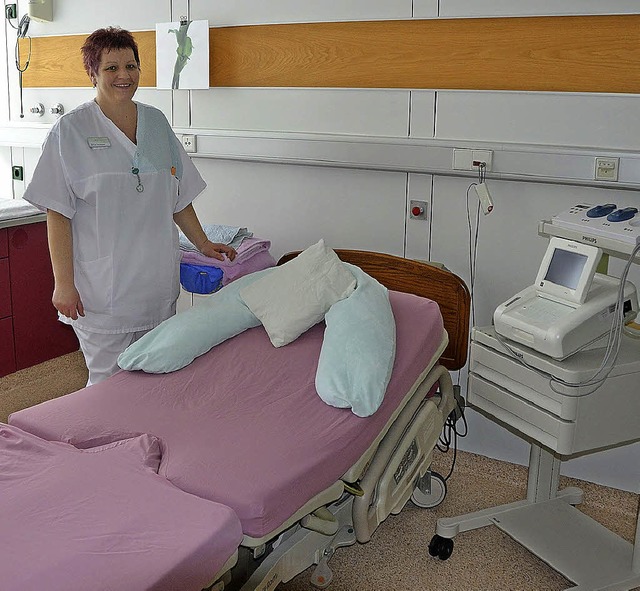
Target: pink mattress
(242, 425)
(102, 519)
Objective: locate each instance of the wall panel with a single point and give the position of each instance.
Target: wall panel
(249, 12)
(295, 206)
(6, 182)
(422, 114)
(606, 121)
(343, 111)
(418, 232)
(84, 16)
(425, 8)
(468, 8)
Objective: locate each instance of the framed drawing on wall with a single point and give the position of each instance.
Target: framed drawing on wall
(182, 55)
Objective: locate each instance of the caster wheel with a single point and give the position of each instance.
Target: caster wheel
(440, 547)
(428, 500)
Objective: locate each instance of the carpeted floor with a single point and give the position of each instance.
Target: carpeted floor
(397, 557)
(36, 384)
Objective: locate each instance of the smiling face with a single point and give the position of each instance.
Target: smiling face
(117, 77)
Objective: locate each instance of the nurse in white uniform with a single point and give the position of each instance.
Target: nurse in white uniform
(113, 179)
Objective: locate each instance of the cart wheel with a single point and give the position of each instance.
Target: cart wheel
(428, 500)
(441, 547)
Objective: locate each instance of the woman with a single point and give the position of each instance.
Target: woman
(113, 179)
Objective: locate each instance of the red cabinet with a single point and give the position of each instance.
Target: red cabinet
(7, 352)
(29, 326)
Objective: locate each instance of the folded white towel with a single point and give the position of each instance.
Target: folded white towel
(229, 235)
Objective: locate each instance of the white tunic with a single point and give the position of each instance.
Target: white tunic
(125, 243)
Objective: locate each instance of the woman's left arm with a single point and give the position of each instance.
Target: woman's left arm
(188, 222)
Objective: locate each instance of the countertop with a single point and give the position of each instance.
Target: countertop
(17, 212)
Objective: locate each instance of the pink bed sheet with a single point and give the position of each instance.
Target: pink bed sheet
(242, 425)
(102, 519)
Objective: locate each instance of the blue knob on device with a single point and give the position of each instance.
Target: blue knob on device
(599, 211)
(622, 215)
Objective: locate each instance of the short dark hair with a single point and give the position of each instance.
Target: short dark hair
(106, 40)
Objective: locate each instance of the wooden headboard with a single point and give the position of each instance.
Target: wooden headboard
(425, 280)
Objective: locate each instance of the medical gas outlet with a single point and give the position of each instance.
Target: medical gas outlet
(418, 210)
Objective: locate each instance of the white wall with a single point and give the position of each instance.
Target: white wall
(297, 164)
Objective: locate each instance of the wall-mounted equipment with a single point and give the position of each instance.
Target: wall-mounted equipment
(37, 109)
(57, 110)
(417, 210)
(40, 10)
(11, 11)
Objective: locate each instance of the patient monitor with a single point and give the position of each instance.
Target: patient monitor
(570, 307)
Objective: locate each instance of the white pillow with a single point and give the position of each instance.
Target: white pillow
(292, 298)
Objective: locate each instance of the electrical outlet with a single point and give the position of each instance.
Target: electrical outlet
(17, 172)
(606, 169)
(11, 11)
(189, 143)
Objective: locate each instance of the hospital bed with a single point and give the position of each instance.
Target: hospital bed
(242, 427)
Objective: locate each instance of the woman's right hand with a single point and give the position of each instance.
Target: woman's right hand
(66, 300)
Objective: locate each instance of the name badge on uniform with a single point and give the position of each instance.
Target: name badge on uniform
(97, 143)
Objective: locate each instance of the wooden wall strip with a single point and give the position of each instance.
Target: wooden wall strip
(57, 61)
(564, 54)
(591, 54)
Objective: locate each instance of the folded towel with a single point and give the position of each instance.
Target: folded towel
(248, 248)
(258, 262)
(252, 255)
(229, 235)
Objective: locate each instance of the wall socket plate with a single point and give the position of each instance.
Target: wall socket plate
(17, 173)
(606, 169)
(189, 143)
(463, 159)
(11, 11)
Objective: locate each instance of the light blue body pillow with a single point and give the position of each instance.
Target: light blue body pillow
(177, 341)
(356, 358)
(359, 348)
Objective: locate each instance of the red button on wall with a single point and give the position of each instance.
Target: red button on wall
(416, 211)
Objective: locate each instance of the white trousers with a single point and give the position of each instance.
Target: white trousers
(101, 351)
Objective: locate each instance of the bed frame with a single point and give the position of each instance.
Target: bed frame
(384, 478)
(397, 463)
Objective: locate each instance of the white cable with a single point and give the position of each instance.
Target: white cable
(473, 252)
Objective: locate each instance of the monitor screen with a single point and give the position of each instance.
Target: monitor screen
(565, 268)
